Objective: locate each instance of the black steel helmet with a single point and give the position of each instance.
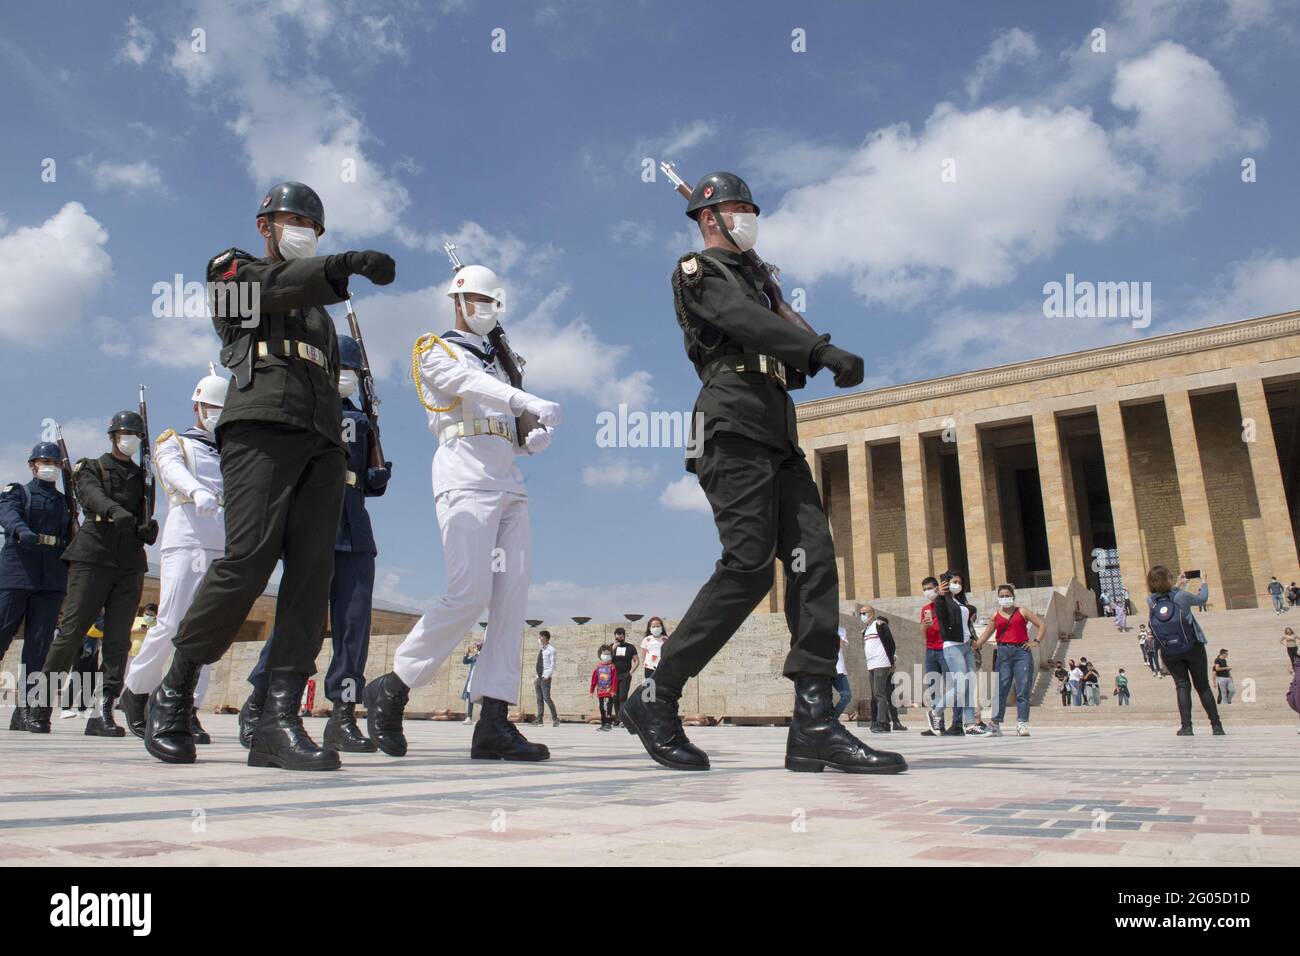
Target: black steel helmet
(718, 188)
(46, 449)
(126, 421)
(349, 353)
(295, 198)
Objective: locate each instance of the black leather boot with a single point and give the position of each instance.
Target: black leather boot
(496, 738)
(897, 725)
(19, 719)
(385, 700)
(280, 739)
(201, 736)
(342, 732)
(103, 723)
(650, 712)
(167, 732)
(38, 719)
(133, 708)
(249, 715)
(817, 740)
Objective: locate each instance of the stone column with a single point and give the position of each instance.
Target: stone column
(970, 455)
(1269, 490)
(864, 572)
(1123, 503)
(1201, 551)
(1055, 486)
(918, 529)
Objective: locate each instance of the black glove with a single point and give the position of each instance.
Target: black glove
(378, 267)
(148, 533)
(121, 518)
(846, 366)
(27, 536)
(378, 477)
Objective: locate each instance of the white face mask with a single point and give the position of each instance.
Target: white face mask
(128, 444)
(210, 419)
(656, 630)
(297, 242)
(1006, 601)
(47, 472)
(347, 382)
(744, 230)
(864, 618)
(605, 658)
(481, 317)
(929, 593)
(954, 589)
(150, 620)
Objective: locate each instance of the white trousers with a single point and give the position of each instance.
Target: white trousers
(182, 570)
(487, 544)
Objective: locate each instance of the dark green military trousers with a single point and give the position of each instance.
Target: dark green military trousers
(766, 506)
(283, 489)
(93, 588)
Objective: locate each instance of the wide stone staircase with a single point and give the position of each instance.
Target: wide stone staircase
(1260, 671)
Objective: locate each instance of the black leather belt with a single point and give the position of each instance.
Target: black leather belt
(746, 362)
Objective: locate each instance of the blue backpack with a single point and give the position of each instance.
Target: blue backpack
(1170, 625)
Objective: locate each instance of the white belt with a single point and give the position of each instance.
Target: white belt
(501, 427)
(350, 479)
(47, 539)
(285, 348)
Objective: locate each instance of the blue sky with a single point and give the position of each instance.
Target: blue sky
(1122, 165)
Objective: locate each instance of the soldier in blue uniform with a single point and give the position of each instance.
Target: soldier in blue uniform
(352, 584)
(37, 524)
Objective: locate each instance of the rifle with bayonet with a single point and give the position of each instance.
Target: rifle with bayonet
(369, 396)
(768, 273)
(511, 361)
(69, 489)
(146, 465)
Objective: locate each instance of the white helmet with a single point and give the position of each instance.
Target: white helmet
(476, 279)
(211, 390)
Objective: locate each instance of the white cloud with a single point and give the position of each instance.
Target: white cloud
(685, 494)
(1264, 284)
(131, 177)
(632, 232)
(619, 473)
(182, 343)
(1011, 46)
(138, 42)
(292, 122)
(1186, 118)
(52, 270)
(687, 137)
(1026, 180)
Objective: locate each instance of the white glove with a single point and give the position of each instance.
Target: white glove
(537, 440)
(205, 503)
(548, 413)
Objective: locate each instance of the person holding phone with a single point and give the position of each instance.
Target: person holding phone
(956, 624)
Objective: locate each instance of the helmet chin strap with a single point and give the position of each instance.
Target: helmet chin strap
(275, 246)
(722, 226)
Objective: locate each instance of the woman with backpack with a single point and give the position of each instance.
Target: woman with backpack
(1012, 658)
(1182, 643)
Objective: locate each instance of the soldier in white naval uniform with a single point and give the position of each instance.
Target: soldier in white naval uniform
(482, 509)
(194, 535)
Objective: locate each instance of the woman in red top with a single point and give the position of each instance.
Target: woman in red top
(604, 684)
(1015, 662)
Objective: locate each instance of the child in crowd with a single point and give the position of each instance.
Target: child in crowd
(1121, 688)
(604, 684)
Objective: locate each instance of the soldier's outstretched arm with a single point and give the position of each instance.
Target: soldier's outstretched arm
(11, 513)
(93, 497)
(171, 468)
(443, 373)
(716, 301)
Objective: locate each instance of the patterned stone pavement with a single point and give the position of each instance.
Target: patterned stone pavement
(1094, 796)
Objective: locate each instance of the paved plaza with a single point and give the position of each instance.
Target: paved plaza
(1092, 796)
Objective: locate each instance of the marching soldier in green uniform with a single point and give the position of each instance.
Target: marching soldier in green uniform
(106, 566)
(764, 500)
(283, 465)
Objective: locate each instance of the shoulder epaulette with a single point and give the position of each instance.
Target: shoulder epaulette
(164, 436)
(13, 486)
(224, 264)
(690, 269)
